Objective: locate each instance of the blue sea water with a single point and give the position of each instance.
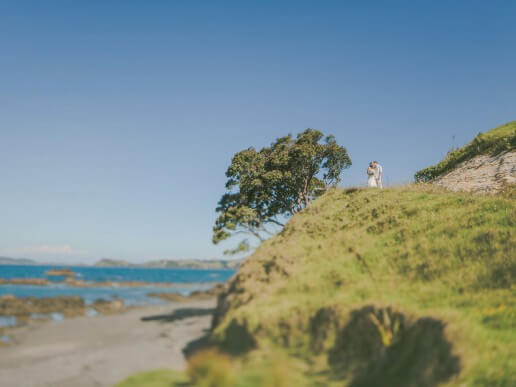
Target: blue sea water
(99, 274)
(185, 281)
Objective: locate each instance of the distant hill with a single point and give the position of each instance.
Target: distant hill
(164, 263)
(184, 264)
(17, 261)
(194, 264)
(106, 262)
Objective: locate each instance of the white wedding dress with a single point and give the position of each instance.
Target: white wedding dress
(371, 181)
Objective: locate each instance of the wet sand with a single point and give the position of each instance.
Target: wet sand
(101, 351)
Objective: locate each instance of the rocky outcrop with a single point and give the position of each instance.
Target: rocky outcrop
(30, 309)
(60, 273)
(78, 283)
(107, 307)
(195, 295)
(24, 281)
(481, 174)
(23, 308)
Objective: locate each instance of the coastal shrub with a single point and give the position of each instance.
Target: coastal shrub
(275, 369)
(210, 368)
(494, 142)
(392, 349)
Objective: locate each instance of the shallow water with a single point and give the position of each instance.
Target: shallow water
(186, 281)
(7, 321)
(57, 316)
(131, 295)
(39, 316)
(92, 313)
(119, 274)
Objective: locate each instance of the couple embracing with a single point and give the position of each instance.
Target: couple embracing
(374, 172)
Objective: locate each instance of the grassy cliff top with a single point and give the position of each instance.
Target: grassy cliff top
(405, 286)
(498, 140)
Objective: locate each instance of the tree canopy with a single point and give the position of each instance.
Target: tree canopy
(266, 186)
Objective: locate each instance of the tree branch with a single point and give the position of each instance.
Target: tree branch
(276, 222)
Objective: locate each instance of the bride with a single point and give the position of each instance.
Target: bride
(371, 181)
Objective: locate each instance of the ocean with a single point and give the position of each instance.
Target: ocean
(185, 280)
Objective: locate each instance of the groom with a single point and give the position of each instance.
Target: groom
(378, 171)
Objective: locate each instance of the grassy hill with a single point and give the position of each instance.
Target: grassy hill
(408, 286)
(493, 142)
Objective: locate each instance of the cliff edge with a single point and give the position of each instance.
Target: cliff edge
(485, 165)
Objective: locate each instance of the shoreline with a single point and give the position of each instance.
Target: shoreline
(208, 265)
(101, 284)
(18, 311)
(103, 350)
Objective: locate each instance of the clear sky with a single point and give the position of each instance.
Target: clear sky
(118, 119)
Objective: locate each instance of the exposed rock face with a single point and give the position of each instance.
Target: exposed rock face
(482, 174)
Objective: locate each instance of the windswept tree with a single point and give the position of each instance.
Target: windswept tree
(267, 186)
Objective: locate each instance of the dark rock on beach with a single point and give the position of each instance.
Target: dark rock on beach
(23, 308)
(108, 307)
(32, 309)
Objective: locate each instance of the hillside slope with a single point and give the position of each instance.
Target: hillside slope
(409, 286)
(487, 164)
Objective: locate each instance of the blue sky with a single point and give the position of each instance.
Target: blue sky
(118, 119)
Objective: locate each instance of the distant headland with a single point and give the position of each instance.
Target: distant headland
(17, 261)
(163, 263)
(180, 264)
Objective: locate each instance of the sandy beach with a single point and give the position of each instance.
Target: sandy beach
(102, 350)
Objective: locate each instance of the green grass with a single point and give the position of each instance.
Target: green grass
(498, 140)
(407, 286)
(158, 378)
(410, 285)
